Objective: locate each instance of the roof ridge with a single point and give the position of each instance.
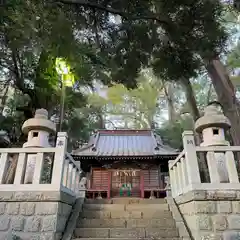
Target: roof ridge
(106, 143)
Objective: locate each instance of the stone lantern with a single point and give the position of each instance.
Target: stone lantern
(38, 130)
(213, 125)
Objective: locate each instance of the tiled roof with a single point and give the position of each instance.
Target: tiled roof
(125, 143)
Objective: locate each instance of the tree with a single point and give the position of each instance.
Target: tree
(33, 34)
(233, 63)
(138, 107)
(177, 39)
(169, 94)
(171, 132)
(203, 45)
(181, 36)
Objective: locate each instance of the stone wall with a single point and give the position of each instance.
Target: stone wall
(211, 214)
(34, 215)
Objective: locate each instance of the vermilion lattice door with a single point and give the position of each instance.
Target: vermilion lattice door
(125, 182)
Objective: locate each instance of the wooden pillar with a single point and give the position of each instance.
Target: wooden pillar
(160, 182)
(109, 184)
(141, 184)
(91, 184)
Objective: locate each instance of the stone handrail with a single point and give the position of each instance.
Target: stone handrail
(71, 175)
(14, 164)
(177, 179)
(218, 149)
(181, 155)
(39, 169)
(184, 171)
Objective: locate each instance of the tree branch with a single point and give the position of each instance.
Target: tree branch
(19, 81)
(91, 4)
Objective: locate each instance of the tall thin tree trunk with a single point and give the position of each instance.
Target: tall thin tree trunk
(191, 99)
(101, 119)
(209, 94)
(4, 97)
(226, 96)
(170, 102)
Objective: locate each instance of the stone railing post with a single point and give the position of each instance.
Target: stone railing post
(231, 167)
(173, 180)
(184, 174)
(192, 168)
(59, 159)
(213, 168)
(180, 178)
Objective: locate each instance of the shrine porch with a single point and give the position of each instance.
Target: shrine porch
(115, 183)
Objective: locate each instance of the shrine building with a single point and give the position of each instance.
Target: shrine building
(125, 163)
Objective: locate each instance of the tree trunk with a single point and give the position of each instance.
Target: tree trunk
(101, 120)
(170, 102)
(191, 99)
(226, 96)
(4, 97)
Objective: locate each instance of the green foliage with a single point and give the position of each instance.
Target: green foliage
(33, 34)
(137, 106)
(233, 60)
(79, 126)
(172, 37)
(171, 133)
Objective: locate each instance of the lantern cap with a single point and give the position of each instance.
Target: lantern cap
(213, 117)
(39, 122)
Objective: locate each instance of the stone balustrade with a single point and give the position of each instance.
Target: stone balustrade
(184, 171)
(54, 169)
(71, 175)
(38, 189)
(209, 206)
(204, 180)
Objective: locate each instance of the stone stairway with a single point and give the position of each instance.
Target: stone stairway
(126, 219)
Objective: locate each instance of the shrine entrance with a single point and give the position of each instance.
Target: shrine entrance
(126, 183)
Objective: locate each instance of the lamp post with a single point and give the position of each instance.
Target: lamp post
(66, 79)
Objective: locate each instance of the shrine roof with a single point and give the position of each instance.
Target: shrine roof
(107, 143)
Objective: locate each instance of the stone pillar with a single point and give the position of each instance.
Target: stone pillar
(212, 126)
(58, 170)
(38, 130)
(192, 169)
(82, 187)
(168, 187)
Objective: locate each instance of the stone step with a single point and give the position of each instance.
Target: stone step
(122, 207)
(106, 206)
(126, 201)
(163, 238)
(146, 207)
(118, 214)
(125, 233)
(129, 223)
